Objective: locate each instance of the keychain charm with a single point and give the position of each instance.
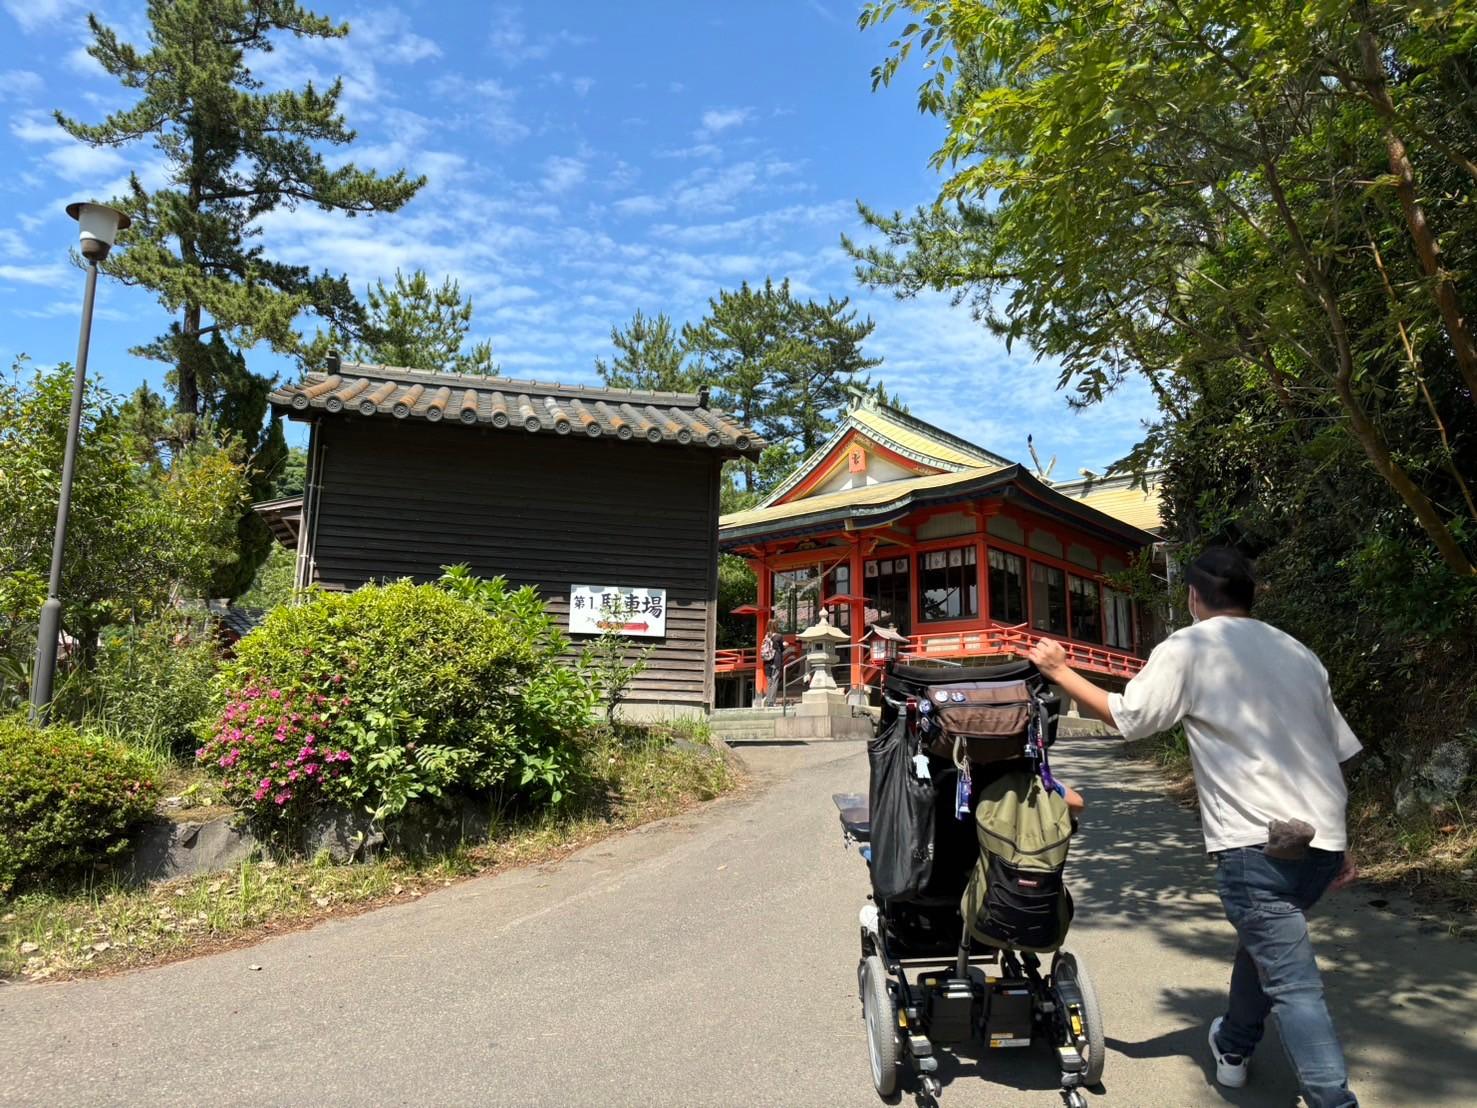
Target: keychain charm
(963, 789)
(920, 767)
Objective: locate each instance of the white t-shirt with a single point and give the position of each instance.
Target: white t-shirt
(1265, 736)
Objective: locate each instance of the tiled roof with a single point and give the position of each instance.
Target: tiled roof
(507, 404)
(924, 440)
(869, 505)
(865, 496)
(906, 434)
(1120, 498)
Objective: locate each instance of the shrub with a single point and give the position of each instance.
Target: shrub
(405, 690)
(67, 800)
(153, 683)
(610, 663)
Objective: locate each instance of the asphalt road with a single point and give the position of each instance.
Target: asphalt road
(710, 960)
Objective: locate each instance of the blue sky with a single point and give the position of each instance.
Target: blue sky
(585, 160)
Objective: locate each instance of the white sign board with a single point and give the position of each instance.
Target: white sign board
(594, 609)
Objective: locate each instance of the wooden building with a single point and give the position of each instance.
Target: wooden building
(606, 500)
(968, 554)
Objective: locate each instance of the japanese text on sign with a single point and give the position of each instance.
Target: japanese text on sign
(594, 609)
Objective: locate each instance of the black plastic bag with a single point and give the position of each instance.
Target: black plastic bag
(902, 810)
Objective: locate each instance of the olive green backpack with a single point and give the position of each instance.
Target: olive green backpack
(1016, 896)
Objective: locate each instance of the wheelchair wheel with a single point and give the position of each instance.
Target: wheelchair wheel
(1090, 1040)
(880, 1012)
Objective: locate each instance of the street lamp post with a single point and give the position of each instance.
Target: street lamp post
(99, 226)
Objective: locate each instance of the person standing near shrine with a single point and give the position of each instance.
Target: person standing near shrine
(772, 654)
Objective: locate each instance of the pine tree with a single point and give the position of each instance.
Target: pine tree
(744, 347)
(816, 387)
(235, 153)
(649, 356)
(419, 326)
(785, 367)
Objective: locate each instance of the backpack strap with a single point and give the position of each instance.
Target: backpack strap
(1036, 746)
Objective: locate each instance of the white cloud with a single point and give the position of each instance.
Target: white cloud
(20, 84)
(33, 14)
(639, 205)
(488, 105)
(513, 45)
(715, 190)
(832, 216)
(561, 173)
(380, 36)
(50, 275)
(824, 12)
(80, 62)
(389, 34)
(12, 246)
(686, 153)
(717, 120)
(68, 309)
(582, 85)
(86, 164)
(34, 126)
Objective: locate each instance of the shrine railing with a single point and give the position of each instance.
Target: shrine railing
(982, 643)
(989, 641)
(736, 661)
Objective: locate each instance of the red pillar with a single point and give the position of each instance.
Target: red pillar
(761, 621)
(858, 612)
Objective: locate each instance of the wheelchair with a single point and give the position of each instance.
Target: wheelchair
(927, 984)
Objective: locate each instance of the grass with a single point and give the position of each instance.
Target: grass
(639, 775)
(1432, 856)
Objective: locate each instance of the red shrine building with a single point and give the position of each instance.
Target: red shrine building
(967, 554)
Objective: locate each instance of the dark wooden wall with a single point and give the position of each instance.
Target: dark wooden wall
(405, 498)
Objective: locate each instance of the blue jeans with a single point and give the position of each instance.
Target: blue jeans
(1266, 900)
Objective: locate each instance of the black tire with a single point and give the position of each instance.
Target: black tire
(1092, 1044)
(880, 1012)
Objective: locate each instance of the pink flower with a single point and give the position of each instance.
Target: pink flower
(276, 694)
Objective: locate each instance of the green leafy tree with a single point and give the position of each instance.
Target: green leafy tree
(234, 153)
(274, 580)
(1275, 190)
(138, 536)
(235, 405)
(648, 356)
(415, 324)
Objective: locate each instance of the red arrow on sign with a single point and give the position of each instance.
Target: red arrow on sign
(635, 627)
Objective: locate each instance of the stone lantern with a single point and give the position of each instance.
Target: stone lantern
(820, 652)
(823, 712)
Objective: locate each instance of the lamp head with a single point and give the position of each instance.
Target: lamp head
(100, 225)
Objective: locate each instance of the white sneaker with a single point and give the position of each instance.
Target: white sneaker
(1230, 1069)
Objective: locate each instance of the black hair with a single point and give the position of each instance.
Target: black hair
(1223, 578)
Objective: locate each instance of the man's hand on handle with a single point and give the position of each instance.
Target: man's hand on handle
(1050, 657)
